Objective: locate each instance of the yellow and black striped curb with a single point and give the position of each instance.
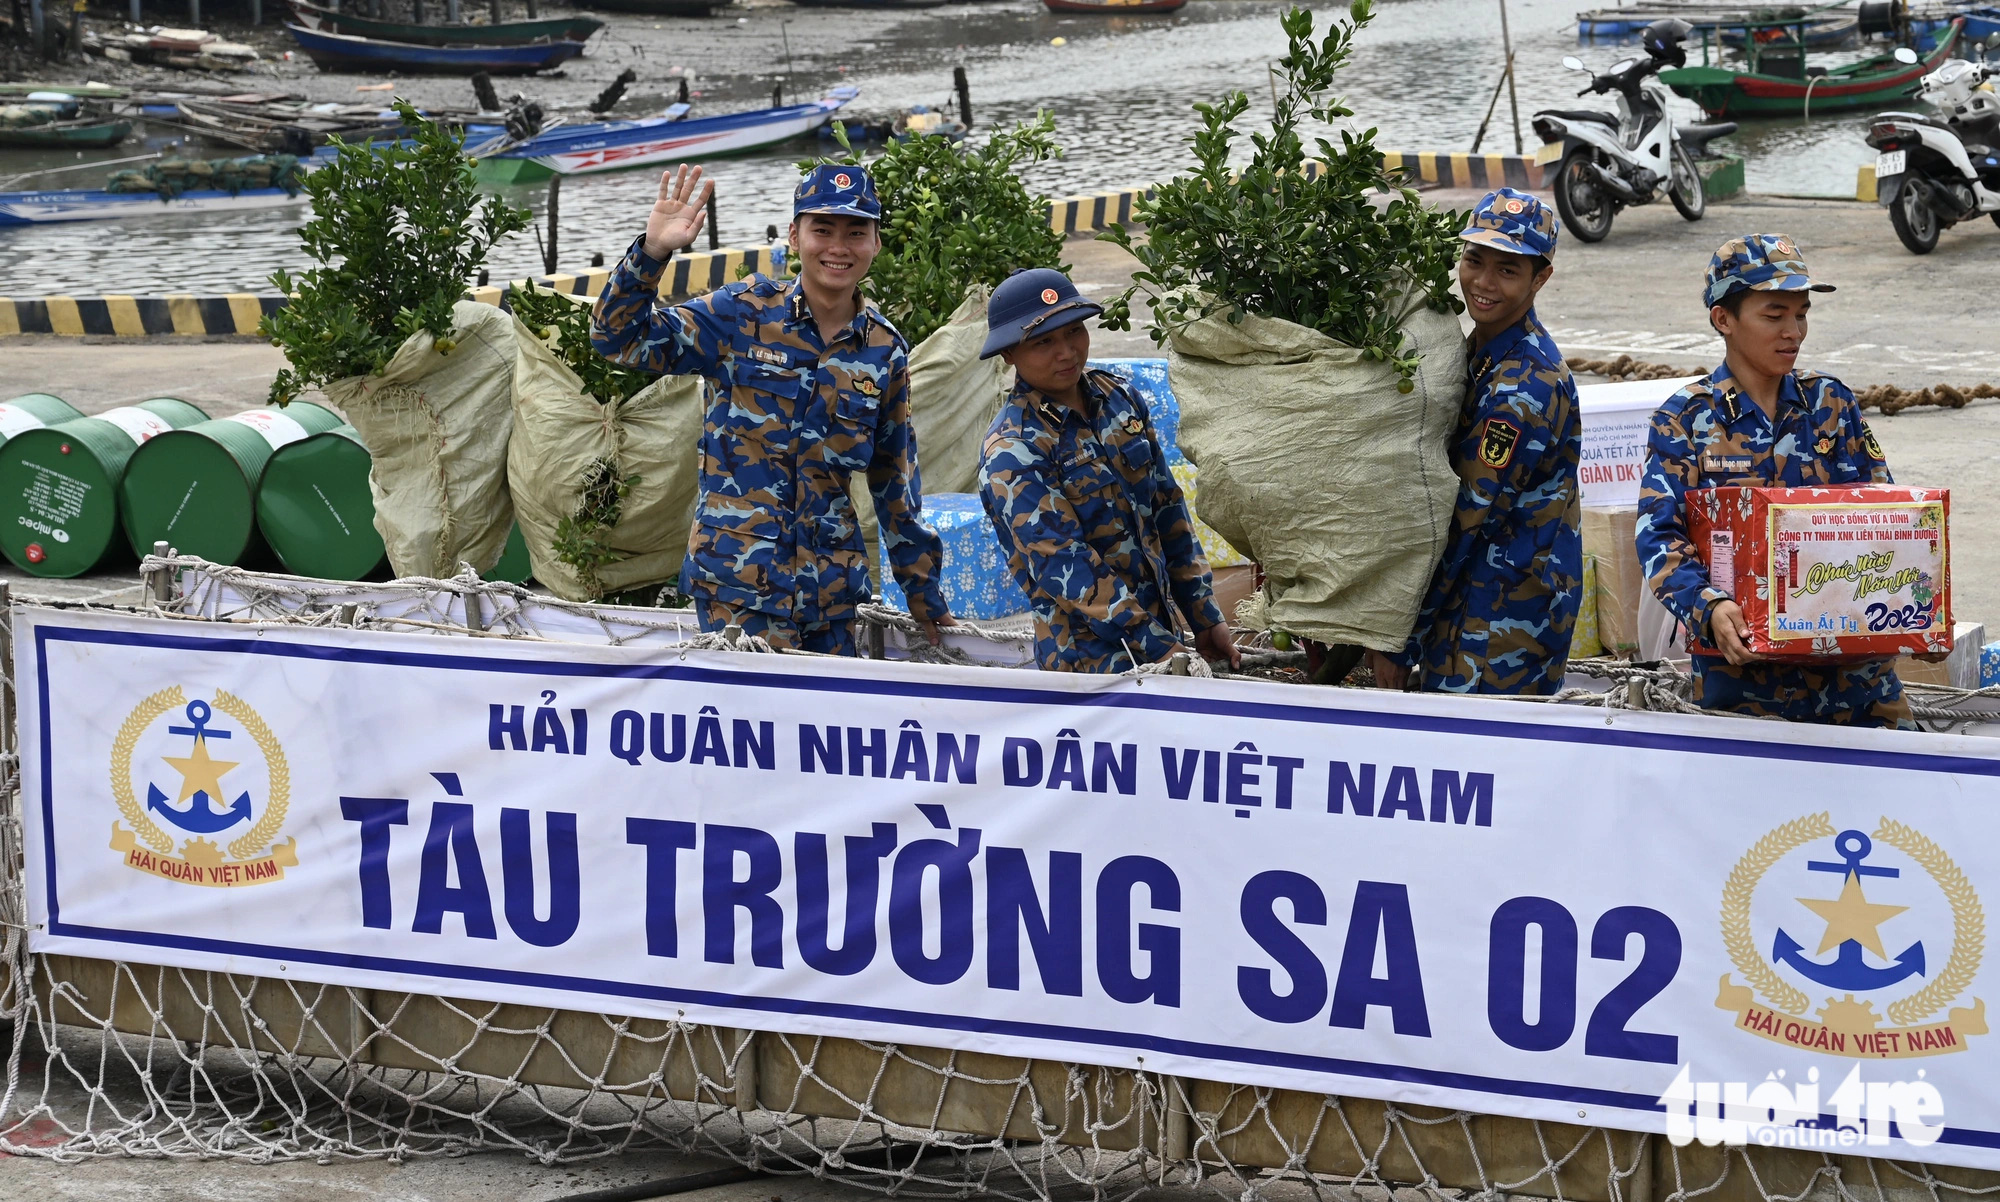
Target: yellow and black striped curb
(690, 274)
(136, 316)
(237, 314)
(1460, 170)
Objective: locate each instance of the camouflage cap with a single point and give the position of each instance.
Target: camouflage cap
(1514, 222)
(837, 188)
(1758, 263)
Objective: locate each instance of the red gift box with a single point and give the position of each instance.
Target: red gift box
(1830, 573)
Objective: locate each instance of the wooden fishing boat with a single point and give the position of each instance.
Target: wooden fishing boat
(87, 133)
(92, 204)
(661, 8)
(339, 51)
(870, 3)
(619, 145)
(1871, 83)
(1821, 33)
(506, 33)
(1118, 8)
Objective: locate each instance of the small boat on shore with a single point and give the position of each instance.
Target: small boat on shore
(1873, 82)
(339, 51)
(661, 8)
(257, 182)
(619, 145)
(505, 33)
(870, 3)
(81, 134)
(1115, 8)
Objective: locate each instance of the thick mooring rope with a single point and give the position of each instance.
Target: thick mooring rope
(1887, 398)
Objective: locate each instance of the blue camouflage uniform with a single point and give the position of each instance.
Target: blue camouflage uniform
(1710, 434)
(1096, 531)
(775, 547)
(1503, 601)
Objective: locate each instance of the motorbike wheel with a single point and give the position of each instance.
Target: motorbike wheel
(1916, 225)
(1690, 201)
(1586, 210)
(1996, 216)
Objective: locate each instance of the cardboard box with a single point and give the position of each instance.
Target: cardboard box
(1608, 538)
(1961, 671)
(1831, 573)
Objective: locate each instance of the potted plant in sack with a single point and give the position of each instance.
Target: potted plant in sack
(601, 464)
(382, 327)
(1313, 347)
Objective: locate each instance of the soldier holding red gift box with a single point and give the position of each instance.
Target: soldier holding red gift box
(1757, 420)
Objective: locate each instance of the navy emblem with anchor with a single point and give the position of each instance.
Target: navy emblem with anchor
(201, 780)
(1852, 927)
(1496, 445)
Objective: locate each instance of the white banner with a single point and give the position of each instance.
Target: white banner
(1519, 909)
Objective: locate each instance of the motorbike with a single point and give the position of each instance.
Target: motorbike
(1932, 172)
(1607, 162)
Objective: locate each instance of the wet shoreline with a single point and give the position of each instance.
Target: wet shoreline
(1122, 90)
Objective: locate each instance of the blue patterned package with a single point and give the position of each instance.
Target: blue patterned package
(1148, 378)
(1989, 665)
(975, 578)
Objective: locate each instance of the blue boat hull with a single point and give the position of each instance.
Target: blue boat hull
(619, 145)
(333, 51)
(89, 204)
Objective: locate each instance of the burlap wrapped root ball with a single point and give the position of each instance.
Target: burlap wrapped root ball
(563, 437)
(1313, 464)
(436, 423)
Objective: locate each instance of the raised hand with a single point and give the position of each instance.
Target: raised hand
(679, 213)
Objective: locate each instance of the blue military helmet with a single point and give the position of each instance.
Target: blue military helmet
(1030, 303)
(837, 188)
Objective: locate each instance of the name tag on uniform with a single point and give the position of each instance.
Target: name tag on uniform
(771, 355)
(1728, 464)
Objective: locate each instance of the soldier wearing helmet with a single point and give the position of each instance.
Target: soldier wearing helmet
(1096, 531)
(1758, 420)
(810, 385)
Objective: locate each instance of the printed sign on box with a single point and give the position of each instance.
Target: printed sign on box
(1831, 573)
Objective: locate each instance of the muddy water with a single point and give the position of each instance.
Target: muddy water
(1121, 90)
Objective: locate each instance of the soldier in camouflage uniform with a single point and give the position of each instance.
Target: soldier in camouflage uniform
(810, 386)
(1758, 421)
(1095, 529)
(1502, 603)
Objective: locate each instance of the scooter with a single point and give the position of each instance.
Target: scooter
(1932, 174)
(1607, 162)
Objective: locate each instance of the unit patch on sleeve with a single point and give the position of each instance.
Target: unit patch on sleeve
(1496, 444)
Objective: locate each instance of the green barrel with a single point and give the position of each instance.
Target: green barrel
(197, 488)
(315, 510)
(513, 567)
(59, 484)
(32, 412)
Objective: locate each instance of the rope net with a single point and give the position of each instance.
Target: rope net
(118, 1059)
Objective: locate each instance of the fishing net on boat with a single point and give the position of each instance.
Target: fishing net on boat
(172, 177)
(24, 116)
(123, 1059)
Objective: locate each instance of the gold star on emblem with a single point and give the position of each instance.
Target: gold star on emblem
(199, 773)
(1852, 916)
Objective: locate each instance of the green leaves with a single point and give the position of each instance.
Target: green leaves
(398, 231)
(953, 217)
(579, 539)
(555, 316)
(1288, 236)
